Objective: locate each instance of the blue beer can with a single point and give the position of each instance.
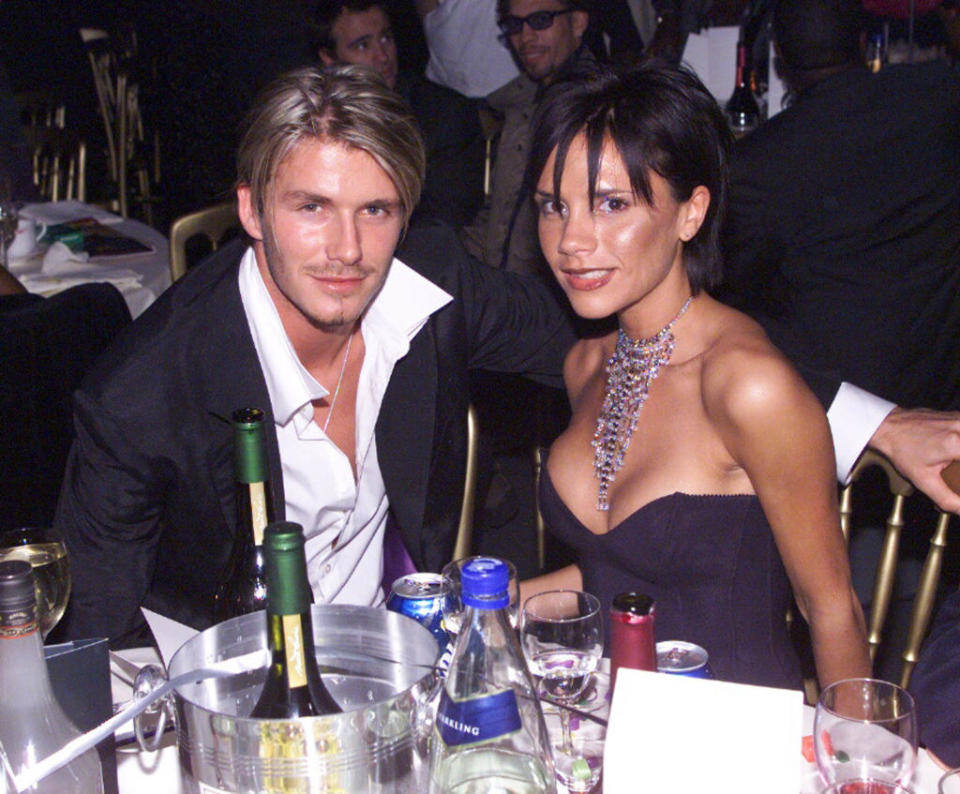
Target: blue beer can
(420, 596)
(683, 658)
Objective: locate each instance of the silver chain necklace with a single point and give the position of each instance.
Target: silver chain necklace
(336, 391)
(631, 369)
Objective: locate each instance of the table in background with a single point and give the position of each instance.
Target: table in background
(151, 267)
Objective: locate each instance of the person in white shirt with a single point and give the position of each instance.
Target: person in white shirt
(358, 352)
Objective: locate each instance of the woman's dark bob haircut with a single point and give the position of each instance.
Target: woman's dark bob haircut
(660, 118)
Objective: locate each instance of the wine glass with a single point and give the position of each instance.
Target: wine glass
(562, 636)
(453, 606)
(865, 735)
(44, 549)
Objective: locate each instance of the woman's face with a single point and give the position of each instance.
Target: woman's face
(609, 256)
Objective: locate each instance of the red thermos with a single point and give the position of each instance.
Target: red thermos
(631, 634)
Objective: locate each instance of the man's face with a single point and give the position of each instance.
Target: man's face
(325, 239)
(365, 38)
(543, 52)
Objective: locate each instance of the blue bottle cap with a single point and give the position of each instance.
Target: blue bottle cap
(484, 582)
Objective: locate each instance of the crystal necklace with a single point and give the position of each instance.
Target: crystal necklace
(634, 365)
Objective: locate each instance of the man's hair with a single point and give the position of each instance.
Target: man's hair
(817, 34)
(503, 6)
(328, 11)
(660, 118)
(349, 105)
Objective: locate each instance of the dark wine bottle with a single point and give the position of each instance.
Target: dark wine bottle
(742, 110)
(293, 687)
(244, 588)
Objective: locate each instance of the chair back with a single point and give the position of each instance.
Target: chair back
(464, 541)
(883, 588)
(212, 223)
(58, 155)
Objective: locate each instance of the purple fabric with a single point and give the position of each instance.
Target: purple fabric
(396, 560)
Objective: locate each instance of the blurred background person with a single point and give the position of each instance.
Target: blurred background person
(361, 32)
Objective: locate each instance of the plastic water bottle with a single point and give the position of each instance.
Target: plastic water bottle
(489, 735)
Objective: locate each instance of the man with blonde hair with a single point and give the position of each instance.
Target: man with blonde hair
(357, 352)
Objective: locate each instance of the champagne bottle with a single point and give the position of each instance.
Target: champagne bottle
(742, 110)
(244, 588)
(293, 687)
(33, 725)
(490, 735)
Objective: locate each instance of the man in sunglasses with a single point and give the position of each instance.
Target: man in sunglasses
(546, 38)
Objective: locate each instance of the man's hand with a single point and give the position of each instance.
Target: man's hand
(921, 443)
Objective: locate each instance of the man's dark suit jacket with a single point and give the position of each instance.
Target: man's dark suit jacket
(147, 506)
(450, 124)
(843, 233)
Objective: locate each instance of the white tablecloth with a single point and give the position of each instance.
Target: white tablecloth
(139, 277)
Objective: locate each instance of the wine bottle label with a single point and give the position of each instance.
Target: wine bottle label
(258, 507)
(293, 645)
(477, 719)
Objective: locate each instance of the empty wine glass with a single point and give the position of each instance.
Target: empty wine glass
(453, 606)
(562, 636)
(865, 736)
(44, 549)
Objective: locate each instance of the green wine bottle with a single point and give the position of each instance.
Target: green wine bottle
(244, 588)
(293, 687)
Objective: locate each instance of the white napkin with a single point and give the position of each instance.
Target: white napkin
(61, 259)
(670, 733)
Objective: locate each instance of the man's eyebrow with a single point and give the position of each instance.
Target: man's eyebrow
(305, 195)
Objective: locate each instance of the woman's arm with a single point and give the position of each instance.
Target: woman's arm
(776, 430)
(568, 578)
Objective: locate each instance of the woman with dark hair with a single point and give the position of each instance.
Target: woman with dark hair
(697, 467)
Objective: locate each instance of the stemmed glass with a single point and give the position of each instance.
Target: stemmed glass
(865, 736)
(44, 549)
(561, 632)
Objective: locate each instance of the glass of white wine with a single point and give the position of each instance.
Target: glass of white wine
(44, 549)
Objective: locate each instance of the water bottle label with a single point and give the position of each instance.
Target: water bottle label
(477, 719)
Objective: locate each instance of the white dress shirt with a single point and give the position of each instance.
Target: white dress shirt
(854, 416)
(343, 519)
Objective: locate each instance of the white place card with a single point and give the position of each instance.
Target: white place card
(168, 633)
(685, 735)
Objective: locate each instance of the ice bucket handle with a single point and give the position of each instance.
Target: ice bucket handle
(149, 679)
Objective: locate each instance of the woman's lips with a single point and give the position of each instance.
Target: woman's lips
(586, 280)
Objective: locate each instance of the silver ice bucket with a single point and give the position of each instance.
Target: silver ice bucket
(376, 664)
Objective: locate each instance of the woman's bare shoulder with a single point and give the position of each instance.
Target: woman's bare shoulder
(585, 359)
(745, 375)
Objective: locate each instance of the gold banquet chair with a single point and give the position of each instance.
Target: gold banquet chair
(923, 603)
(464, 541)
(213, 223)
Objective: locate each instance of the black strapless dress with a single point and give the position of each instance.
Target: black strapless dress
(711, 565)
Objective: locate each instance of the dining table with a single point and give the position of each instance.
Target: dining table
(158, 772)
(141, 276)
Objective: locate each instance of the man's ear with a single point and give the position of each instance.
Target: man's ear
(326, 57)
(248, 214)
(581, 19)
